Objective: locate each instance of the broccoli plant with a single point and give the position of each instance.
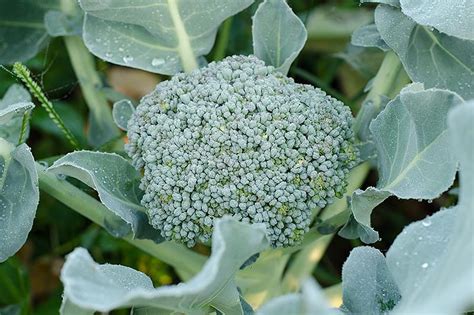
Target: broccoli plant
(235, 173)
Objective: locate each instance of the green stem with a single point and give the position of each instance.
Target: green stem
(102, 127)
(186, 262)
(306, 260)
(388, 82)
(24, 127)
(304, 263)
(222, 40)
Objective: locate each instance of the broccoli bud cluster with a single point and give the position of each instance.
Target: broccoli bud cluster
(239, 138)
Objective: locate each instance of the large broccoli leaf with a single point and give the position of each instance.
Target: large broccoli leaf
(455, 18)
(15, 103)
(22, 31)
(415, 160)
(433, 260)
(105, 287)
(116, 182)
(19, 196)
(433, 58)
(368, 286)
(163, 36)
(122, 111)
(278, 34)
(309, 301)
(368, 36)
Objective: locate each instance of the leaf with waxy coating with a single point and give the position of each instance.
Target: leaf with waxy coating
(116, 182)
(368, 36)
(106, 287)
(310, 301)
(455, 18)
(278, 34)
(415, 161)
(162, 36)
(366, 60)
(438, 278)
(58, 23)
(368, 287)
(358, 225)
(19, 196)
(122, 111)
(22, 31)
(433, 58)
(15, 103)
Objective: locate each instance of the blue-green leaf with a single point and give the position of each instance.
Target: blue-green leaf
(15, 103)
(278, 34)
(358, 225)
(368, 286)
(416, 251)
(19, 196)
(122, 111)
(155, 35)
(314, 299)
(116, 182)
(310, 301)
(462, 137)
(22, 32)
(14, 111)
(433, 58)
(365, 60)
(106, 287)
(432, 259)
(16, 93)
(368, 36)
(58, 23)
(455, 18)
(286, 304)
(415, 161)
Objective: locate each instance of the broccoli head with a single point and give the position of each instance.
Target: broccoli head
(239, 138)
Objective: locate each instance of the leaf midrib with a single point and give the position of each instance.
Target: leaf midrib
(437, 43)
(412, 163)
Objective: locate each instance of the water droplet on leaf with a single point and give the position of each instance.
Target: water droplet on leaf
(426, 222)
(157, 62)
(127, 59)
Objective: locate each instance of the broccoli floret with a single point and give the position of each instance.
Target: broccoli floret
(239, 138)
